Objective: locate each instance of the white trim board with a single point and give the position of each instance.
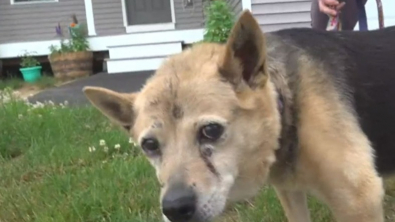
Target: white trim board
(246, 4)
(149, 27)
(101, 43)
(90, 19)
(12, 2)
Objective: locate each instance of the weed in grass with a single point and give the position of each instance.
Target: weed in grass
(46, 82)
(61, 164)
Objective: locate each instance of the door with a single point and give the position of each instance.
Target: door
(144, 12)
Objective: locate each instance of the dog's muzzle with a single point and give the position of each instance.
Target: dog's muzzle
(179, 203)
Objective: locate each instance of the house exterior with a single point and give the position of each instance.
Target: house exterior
(138, 34)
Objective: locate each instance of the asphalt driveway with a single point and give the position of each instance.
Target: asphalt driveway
(72, 92)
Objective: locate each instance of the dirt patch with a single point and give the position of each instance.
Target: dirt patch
(28, 90)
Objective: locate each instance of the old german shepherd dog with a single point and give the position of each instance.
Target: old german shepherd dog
(307, 111)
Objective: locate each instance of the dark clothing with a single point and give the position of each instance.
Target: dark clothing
(348, 16)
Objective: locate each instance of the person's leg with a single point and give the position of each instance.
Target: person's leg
(319, 20)
(349, 15)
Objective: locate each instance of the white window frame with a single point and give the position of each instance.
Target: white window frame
(15, 2)
(149, 27)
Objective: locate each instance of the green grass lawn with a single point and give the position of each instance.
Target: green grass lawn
(69, 164)
(16, 83)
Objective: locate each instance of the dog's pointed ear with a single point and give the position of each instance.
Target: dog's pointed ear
(116, 106)
(245, 52)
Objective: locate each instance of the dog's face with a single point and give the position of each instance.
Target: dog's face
(207, 121)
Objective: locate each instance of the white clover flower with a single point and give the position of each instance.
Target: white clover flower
(66, 103)
(105, 149)
(92, 149)
(131, 140)
(38, 105)
(117, 146)
(102, 143)
(20, 116)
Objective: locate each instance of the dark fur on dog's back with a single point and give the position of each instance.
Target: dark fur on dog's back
(362, 68)
(295, 108)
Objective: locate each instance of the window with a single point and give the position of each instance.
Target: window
(30, 1)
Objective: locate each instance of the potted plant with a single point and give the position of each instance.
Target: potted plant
(31, 68)
(73, 58)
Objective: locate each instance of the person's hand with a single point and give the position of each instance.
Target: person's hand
(330, 7)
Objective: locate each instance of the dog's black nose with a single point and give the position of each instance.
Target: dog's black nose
(179, 203)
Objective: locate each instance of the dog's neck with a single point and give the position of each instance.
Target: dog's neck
(280, 103)
(288, 141)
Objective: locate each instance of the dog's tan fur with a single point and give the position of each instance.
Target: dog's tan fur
(205, 84)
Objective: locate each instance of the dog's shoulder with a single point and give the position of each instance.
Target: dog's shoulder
(359, 66)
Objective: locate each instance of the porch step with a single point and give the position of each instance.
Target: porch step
(140, 57)
(134, 64)
(144, 50)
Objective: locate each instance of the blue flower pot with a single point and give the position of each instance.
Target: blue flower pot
(31, 74)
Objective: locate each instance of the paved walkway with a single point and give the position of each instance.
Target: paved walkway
(72, 92)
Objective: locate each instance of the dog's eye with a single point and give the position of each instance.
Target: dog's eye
(150, 145)
(211, 132)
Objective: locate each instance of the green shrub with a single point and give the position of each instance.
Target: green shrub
(219, 21)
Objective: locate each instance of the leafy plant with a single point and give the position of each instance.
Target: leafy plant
(75, 42)
(78, 42)
(219, 21)
(27, 60)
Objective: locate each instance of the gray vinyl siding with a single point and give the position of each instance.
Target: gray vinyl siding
(109, 19)
(274, 15)
(35, 22)
(236, 6)
(189, 17)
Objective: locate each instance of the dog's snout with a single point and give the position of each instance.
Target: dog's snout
(179, 203)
